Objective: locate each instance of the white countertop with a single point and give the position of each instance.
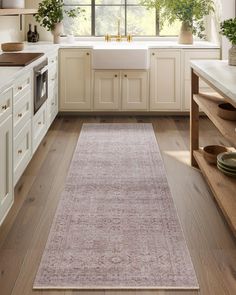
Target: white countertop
(218, 73)
(8, 74)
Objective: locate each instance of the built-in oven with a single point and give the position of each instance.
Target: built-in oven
(40, 84)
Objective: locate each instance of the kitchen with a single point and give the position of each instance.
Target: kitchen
(60, 90)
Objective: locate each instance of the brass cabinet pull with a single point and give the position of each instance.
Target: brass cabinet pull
(116, 76)
(87, 53)
(20, 115)
(39, 123)
(19, 151)
(153, 53)
(4, 107)
(125, 76)
(20, 87)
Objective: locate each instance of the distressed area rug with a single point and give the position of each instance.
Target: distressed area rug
(116, 226)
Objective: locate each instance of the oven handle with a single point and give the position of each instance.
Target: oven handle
(42, 70)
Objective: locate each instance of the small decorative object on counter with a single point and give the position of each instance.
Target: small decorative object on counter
(50, 16)
(228, 29)
(30, 34)
(36, 34)
(13, 3)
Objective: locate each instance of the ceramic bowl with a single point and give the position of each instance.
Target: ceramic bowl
(226, 111)
(211, 152)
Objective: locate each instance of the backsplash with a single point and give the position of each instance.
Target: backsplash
(10, 29)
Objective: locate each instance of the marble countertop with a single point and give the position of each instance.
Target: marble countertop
(8, 74)
(219, 74)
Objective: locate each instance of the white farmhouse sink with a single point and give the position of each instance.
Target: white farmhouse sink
(124, 55)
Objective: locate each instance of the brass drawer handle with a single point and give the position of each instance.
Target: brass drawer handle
(20, 88)
(19, 151)
(4, 107)
(39, 123)
(20, 115)
(153, 53)
(116, 76)
(87, 53)
(125, 76)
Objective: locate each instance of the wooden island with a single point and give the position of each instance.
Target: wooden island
(222, 78)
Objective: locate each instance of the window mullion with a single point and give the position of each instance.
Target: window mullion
(93, 17)
(125, 17)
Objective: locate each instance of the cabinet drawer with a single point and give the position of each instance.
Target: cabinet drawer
(39, 126)
(22, 112)
(5, 104)
(22, 151)
(22, 86)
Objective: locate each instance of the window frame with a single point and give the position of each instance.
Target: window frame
(93, 6)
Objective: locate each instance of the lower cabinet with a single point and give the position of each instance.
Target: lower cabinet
(189, 55)
(6, 173)
(107, 90)
(120, 90)
(22, 151)
(75, 79)
(135, 90)
(39, 126)
(165, 80)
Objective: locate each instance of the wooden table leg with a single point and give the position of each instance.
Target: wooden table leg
(194, 119)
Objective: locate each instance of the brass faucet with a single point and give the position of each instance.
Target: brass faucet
(118, 37)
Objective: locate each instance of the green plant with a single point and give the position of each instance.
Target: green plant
(51, 12)
(228, 29)
(190, 12)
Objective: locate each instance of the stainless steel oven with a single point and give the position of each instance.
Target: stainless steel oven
(40, 84)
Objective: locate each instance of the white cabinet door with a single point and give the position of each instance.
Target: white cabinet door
(106, 90)
(189, 55)
(75, 79)
(134, 90)
(6, 173)
(165, 80)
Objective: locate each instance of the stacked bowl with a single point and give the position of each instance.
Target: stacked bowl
(226, 163)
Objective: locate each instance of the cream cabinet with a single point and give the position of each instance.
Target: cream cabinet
(134, 90)
(165, 80)
(52, 101)
(106, 90)
(22, 115)
(187, 56)
(75, 79)
(121, 90)
(6, 151)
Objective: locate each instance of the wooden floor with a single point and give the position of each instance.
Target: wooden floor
(24, 233)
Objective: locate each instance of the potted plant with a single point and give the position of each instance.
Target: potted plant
(50, 16)
(228, 29)
(190, 12)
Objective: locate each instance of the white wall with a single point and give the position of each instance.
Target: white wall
(10, 29)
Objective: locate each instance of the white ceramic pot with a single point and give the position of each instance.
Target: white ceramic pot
(232, 56)
(186, 34)
(13, 3)
(58, 30)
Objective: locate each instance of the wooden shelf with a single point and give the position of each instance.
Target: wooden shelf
(209, 104)
(223, 188)
(8, 12)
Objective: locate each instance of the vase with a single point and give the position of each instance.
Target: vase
(186, 34)
(232, 56)
(58, 29)
(13, 3)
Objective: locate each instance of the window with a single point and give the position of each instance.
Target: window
(101, 17)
